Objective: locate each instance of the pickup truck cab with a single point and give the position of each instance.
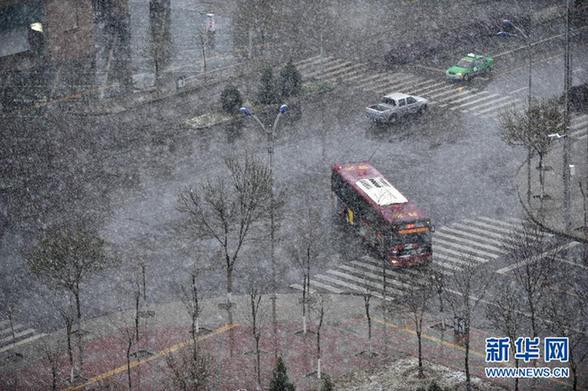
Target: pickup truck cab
(396, 105)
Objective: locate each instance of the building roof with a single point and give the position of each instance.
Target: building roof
(378, 192)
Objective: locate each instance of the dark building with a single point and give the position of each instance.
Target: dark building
(52, 48)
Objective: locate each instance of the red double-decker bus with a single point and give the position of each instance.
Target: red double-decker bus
(388, 221)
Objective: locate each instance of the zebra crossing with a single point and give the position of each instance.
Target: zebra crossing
(468, 242)
(15, 335)
(465, 99)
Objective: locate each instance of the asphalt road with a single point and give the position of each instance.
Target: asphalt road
(453, 164)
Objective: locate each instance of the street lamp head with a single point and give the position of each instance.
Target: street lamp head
(503, 34)
(246, 111)
(283, 108)
(507, 23)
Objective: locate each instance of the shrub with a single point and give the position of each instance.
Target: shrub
(267, 87)
(435, 387)
(327, 384)
(280, 381)
(290, 80)
(231, 99)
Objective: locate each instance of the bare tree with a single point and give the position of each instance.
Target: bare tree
(191, 300)
(160, 35)
(255, 297)
(533, 275)
(51, 353)
(531, 129)
(128, 336)
(67, 314)
(465, 292)
(566, 313)
(319, 308)
(305, 250)
(504, 315)
(66, 258)
(416, 300)
(188, 372)
(228, 209)
(367, 294)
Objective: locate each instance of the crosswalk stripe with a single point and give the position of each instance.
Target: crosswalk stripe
(495, 107)
(347, 285)
(448, 99)
(307, 60)
(390, 84)
(363, 78)
(454, 260)
(444, 265)
(475, 93)
(433, 87)
(387, 80)
(301, 288)
(352, 69)
(512, 226)
(325, 70)
(315, 61)
(423, 86)
(21, 342)
(482, 231)
(432, 92)
(379, 277)
(489, 103)
(327, 287)
(470, 242)
(420, 81)
(450, 92)
(485, 97)
(398, 86)
(503, 231)
(377, 284)
(378, 263)
(469, 251)
(364, 281)
(483, 238)
(333, 74)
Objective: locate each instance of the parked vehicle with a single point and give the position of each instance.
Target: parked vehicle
(396, 105)
(470, 66)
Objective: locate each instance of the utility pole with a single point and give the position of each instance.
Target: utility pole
(566, 147)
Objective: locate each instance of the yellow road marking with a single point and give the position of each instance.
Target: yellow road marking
(137, 362)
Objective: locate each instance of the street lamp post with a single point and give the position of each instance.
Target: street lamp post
(508, 24)
(269, 132)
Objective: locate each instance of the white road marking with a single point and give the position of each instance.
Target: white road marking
(476, 243)
(470, 251)
(536, 258)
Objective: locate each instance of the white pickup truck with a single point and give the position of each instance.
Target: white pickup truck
(396, 105)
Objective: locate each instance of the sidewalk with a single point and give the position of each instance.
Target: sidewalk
(231, 347)
(550, 214)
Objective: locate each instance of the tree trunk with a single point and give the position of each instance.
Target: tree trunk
(304, 305)
(420, 344)
(76, 294)
(467, 358)
(137, 299)
(369, 320)
(130, 343)
(229, 283)
(258, 358)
